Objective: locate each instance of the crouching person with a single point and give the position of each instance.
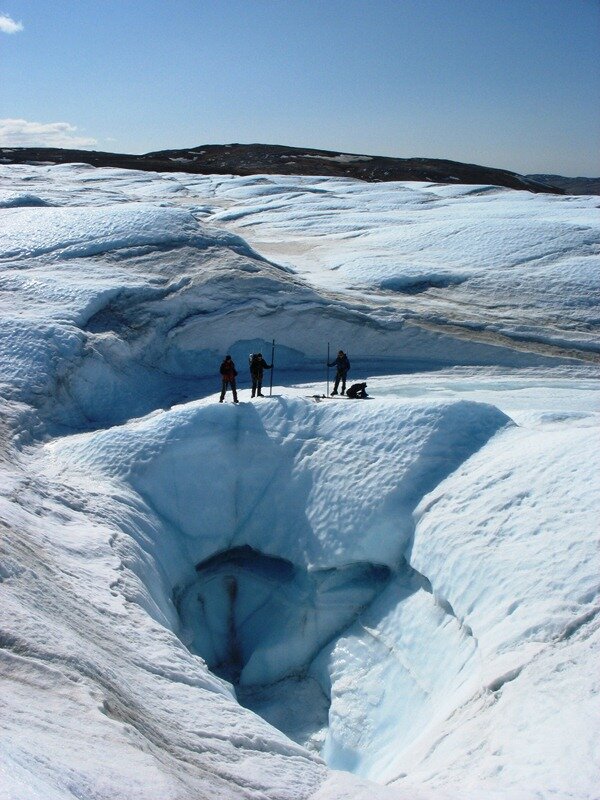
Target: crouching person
(358, 391)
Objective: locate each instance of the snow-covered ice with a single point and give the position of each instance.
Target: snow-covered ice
(288, 599)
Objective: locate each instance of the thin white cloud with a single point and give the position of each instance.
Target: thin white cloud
(21, 133)
(8, 25)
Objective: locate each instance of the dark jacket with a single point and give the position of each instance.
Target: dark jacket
(228, 370)
(257, 365)
(357, 390)
(342, 363)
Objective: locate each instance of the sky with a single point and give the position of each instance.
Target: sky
(513, 84)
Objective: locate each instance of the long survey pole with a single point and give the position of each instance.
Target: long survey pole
(327, 369)
(272, 367)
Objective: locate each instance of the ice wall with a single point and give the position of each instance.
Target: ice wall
(107, 289)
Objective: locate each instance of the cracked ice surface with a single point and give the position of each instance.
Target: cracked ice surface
(404, 588)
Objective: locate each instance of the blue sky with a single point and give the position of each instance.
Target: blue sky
(506, 83)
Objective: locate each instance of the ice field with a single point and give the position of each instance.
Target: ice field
(297, 598)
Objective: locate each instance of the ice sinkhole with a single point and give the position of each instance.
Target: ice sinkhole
(277, 542)
(302, 592)
(261, 623)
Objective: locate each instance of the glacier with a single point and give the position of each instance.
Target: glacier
(297, 597)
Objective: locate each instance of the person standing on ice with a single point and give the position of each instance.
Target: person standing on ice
(342, 366)
(228, 374)
(257, 366)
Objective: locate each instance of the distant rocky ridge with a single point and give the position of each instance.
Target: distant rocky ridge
(569, 185)
(252, 159)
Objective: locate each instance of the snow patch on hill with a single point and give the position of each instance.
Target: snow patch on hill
(343, 158)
